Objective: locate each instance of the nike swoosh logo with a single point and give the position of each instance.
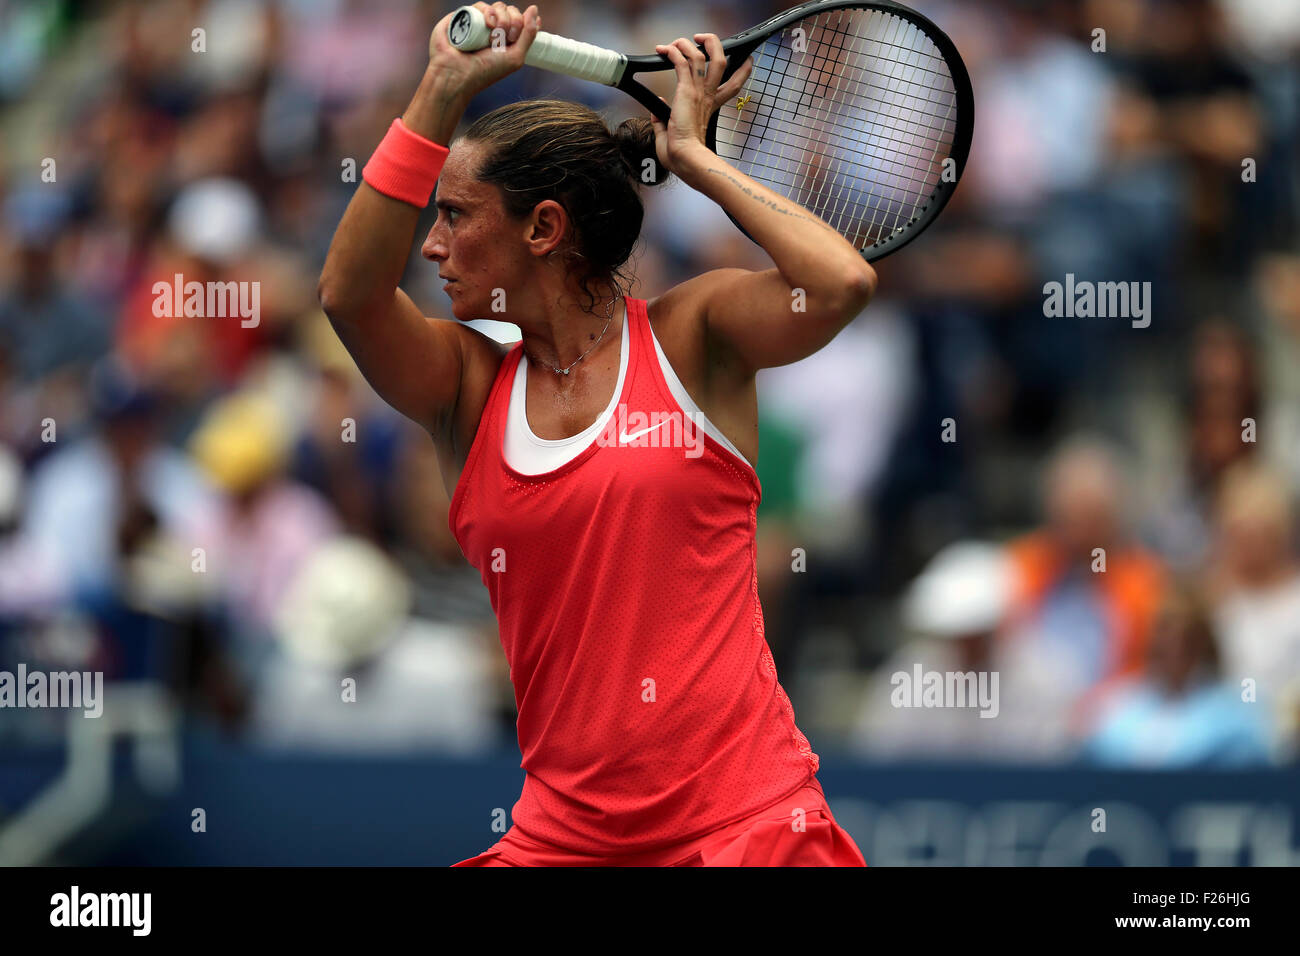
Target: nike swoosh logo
(626, 437)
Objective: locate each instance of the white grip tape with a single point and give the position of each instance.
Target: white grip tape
(548, 52)
(572, 58)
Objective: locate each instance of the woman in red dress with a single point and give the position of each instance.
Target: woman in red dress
(601, 470)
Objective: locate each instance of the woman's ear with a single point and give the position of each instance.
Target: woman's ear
(546, 228)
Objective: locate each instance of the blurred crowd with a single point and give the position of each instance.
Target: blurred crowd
(1103, 515)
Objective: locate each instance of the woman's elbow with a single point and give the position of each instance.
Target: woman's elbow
(325, 293)
(861, 283)
(847, 297)
(334, 299)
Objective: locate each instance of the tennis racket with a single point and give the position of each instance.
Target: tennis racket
(860, 112)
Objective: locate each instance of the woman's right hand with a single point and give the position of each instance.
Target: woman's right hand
(470, 73)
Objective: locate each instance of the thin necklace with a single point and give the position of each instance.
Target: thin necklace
(565, 371)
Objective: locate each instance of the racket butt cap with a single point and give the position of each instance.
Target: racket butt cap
(468, 30)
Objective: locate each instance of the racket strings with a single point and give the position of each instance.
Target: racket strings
(851, 114)
(828, 60)
(893, 148)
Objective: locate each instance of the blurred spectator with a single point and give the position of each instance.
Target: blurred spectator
(1083, 587)
(270, 525)
(1222, 398)
(957, 607)
(90, 503)
(353, 672)
(1044, 102)
(1179, 713)
(113, 518)
(1255, 579)
(28, 581)
(214, 227)
(45, 327)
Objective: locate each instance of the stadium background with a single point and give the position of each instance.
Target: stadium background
(935, 482)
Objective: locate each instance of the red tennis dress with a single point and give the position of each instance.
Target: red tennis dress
(651, 724)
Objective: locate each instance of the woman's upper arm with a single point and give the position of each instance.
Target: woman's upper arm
(413, 362)
(761, 320)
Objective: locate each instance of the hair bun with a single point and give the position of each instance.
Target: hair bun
(635, 139)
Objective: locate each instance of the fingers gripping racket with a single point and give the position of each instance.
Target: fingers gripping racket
(860, 112)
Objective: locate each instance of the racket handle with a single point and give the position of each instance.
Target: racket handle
(468, 31)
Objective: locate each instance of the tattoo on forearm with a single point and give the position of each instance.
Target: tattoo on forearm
(769, 203)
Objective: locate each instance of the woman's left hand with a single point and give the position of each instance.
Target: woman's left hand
(697, 97)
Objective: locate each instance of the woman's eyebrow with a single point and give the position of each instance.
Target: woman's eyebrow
(440, 197)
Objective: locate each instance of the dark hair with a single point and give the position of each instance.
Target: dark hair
(554, 149)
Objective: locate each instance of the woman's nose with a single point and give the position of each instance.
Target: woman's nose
(434, 248)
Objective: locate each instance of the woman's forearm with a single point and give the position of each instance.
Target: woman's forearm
(436, 107)
(808, 253)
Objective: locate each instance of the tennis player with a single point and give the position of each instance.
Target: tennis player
(601, 470)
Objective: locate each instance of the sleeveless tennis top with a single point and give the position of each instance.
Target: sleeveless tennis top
(625, 587)
(532, 455)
